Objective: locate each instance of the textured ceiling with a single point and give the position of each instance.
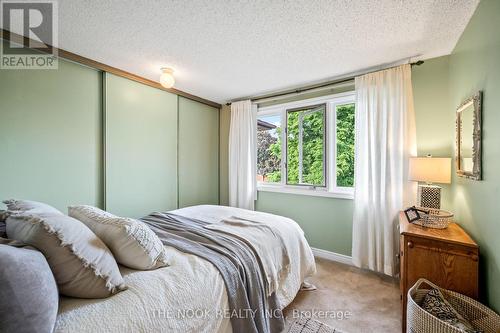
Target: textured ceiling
(223, 50)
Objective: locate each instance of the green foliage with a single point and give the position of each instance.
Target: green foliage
(312, 148)
(345, 145)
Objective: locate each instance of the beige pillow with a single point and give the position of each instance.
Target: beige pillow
(132, 242)
(81, 263)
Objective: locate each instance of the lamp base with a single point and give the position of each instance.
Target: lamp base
(429, 196)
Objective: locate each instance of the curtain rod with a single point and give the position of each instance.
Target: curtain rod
(316, 86)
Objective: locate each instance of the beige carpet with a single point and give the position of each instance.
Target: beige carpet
(349, 299)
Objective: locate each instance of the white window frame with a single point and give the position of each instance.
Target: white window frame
(331, 189)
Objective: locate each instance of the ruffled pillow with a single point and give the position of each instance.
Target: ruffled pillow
(132, 242)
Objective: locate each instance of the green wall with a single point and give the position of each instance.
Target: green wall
(50, 135)
(76, 135)
(474, 65)
(435, 123)
(327, 222)
(141, 148)
(198, 154)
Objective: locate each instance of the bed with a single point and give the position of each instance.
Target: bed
(190, 294)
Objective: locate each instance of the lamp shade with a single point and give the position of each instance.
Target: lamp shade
(430, 169)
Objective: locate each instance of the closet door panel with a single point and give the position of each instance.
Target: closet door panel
(141, 148)
(198, 153)
(50, 135)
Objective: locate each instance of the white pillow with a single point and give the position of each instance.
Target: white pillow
(81, 263)
(132, 242)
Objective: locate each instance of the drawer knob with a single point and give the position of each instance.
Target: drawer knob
(474, 257)
(410, 245)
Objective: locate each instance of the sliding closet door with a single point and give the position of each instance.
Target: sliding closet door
(50, 135)
(141, 148)
(198, 153)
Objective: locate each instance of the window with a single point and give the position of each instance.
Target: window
(307, 147)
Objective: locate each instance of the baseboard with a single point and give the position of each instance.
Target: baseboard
(341, 258)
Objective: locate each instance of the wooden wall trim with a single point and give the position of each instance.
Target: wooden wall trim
(10, 36)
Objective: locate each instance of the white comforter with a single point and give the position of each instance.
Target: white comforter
(189, 295)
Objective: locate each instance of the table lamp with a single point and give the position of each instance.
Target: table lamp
(430, 170)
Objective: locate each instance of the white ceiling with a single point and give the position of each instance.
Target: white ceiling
(225, 49)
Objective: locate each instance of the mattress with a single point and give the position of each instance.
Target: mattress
(187, 296)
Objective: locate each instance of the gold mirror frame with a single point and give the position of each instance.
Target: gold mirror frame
(476, 102)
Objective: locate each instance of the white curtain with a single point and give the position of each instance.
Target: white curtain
(243, 155)
(385, 139)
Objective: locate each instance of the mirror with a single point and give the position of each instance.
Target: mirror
(468, 136)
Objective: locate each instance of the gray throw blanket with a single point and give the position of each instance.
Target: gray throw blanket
(251, 309)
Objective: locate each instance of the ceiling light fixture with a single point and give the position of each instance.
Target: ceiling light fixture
(167, 77)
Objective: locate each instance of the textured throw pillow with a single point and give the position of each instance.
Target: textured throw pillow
(28, 206)
(81, 263)
(132, 242)
(28, 292)
(435, 303)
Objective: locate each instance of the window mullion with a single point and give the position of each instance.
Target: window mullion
(284, 152)
(334, 147)
(301, 156)
(332, 142)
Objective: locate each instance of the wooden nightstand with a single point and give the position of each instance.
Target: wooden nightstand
(448, 257)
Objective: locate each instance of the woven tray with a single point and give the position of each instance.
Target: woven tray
(434, 218)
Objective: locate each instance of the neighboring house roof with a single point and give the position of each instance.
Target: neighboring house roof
(264, 125)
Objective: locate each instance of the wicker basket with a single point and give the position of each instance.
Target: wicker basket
(434, 218)
(420, 321)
